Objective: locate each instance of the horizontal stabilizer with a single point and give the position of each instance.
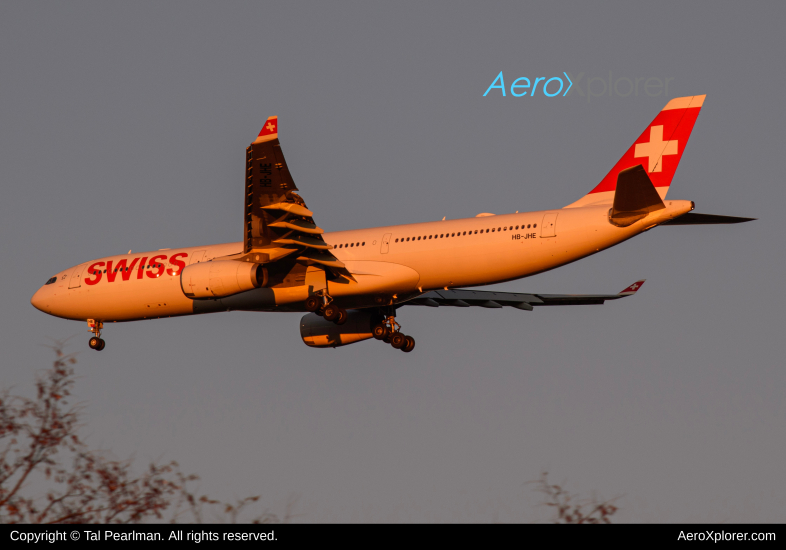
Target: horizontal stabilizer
(706, 219)
(635, 197)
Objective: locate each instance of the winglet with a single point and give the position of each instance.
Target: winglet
(269, 131)
(631, 290)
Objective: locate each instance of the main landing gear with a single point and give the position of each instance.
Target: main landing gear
(389, 331)
(96, 342)
(322, 304)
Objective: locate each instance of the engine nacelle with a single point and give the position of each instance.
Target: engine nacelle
(320, 333)
(221, 278)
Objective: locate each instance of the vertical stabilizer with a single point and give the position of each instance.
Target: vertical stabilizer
(658, 149)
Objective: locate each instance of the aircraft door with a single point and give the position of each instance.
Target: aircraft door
(197, 256)
(76, 276)
(385, 243)
(549, 226)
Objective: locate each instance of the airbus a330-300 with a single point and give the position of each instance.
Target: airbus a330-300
(351, 284)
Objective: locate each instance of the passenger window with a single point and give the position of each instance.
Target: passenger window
(534, 225)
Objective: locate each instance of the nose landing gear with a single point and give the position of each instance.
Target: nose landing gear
(389, 331)
(96, 342)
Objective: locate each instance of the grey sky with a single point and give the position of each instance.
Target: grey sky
(124, 126)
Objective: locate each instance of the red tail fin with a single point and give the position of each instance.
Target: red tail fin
(659, 149)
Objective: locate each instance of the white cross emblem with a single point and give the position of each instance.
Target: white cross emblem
(634, 286)
(655, 149)
(270, 126)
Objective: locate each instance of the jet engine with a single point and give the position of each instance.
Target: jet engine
(221, 278)
(320, 333)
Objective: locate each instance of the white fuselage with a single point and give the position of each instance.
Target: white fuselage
(397, 262)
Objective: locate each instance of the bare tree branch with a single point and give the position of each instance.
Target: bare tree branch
(569, 509)
(38, 439)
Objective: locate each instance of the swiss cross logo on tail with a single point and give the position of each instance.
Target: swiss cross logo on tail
(664, 138)
(656, 148)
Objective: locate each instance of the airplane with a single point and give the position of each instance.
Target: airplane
(350, 284)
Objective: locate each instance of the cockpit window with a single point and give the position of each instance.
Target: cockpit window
(52, 280)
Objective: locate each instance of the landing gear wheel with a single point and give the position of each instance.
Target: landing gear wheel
(313, 304)
(332, 312)
(379, 331)
(95, 327)
(398, 340)
(409, 345)
(342, 316)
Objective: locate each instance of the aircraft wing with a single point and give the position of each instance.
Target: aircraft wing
(490, 299)
(277, 222)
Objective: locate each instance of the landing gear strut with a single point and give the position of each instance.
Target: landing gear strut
(389, 331)
(322, 304)
(96, 342)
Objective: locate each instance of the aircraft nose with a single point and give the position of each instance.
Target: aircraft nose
(38, 300)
